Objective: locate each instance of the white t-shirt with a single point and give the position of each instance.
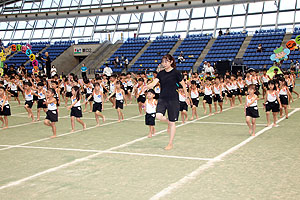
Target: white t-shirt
(107, 71)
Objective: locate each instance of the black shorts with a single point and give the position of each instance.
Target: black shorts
(141, 98)
(246, 89)
(217, 98)
(241, 92)
(291, 88)
(201, 94)
(265, 84)
(87, 96)
(150, 119)
(284, 99)
(234, 92)
(19, 89)
(35, 98)
(29, 103)
(129, 88)
(68, 94)
(62, 89)
(97, 107)
(252, 112)
(272, 106)
(126, 90)
(5, 111)
(172, 106)
(119, 104)
(52, 115)
(41, 104)
(195, 102)
(229, 94)
(14, 93)
(183, 106)
(207, 99)
(257, 87)
(76, 112)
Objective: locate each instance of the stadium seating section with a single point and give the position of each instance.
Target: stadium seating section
(270, 40)
(151, 58)
(225, 47)
(129, 50)
(192, 47)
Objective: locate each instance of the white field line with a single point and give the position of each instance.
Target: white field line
(194, 174)
(108, 152)
(86, 158)
(68, 133)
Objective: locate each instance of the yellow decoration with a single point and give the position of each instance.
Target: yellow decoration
(1, 71)
(32, 57)
(3, 58)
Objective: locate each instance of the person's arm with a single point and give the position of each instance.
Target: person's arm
(185, 92)
(278, 99)
(289, 94)
(112, 94)
(90, 97)
(2, 106)
(69, 107)
(152, 84)
(102, 98)
(123, 93)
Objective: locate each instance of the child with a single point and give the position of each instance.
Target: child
(120, 94)
(28, 99)
(228, 86)
(272, 102)
(265, 79)
(140, 95)
(207, 99)
(112, 84)
(284, 95)
(251, 109)
(51, 114)
(234, 89)
(194, 94)
(41, 93)
(13, 89)
(241, 88)
(76, 111)
(68, 87)
(129, 86)
(183, 105)
(5, 108)
(89, 90)
(217, 96)
(150, 107)
(98, 103)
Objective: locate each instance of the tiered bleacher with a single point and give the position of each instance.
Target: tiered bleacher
(295, 54)
(21, 58)
(192, 47)
(129, 50)
(270, 40)
(151, 58)
(226, 47)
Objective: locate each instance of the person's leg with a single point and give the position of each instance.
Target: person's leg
(66, 101)
(221, 106)
(2, 120)
(140, 107)
(31, 114)
(275, 118)
(150, 132)
(172, 128)
(248, 121)
(53, 129)
(204, 106)
(216, 107)
(97, 119)
(81, 122)
(253, 126)
(18, 100)
(153, 130)
(38, 114)
(119, 115)
(233, 100)
(268, 118)
(210, 109)
(286, 111)
(73, 123)
(193, 112)
(182, 117)
(5, 122)
(240, 99)
(91, 106)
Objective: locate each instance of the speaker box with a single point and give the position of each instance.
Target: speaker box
(222, 66)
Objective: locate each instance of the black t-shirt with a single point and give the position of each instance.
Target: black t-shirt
(48, 62)
(169, 82)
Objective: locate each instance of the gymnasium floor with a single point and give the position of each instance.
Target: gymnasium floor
(213, 158)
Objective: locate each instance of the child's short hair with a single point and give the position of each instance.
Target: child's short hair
(96, 84)
(40, 84)
(55, 82)
(193, 82)
(252, 86)
(52, 90)
(141, 79)
(151, 91)
(28, 84)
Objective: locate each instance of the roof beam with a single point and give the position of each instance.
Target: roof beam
(139, 8)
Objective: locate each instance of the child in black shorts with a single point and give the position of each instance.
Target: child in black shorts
(150, 108)
(52, 114)
(251, 109)
(5, 108)
(183, 105)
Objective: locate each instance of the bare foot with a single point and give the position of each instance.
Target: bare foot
(205, 112)
(210, 114)
(72, 131)
(84, 110)
(253, 134)
(6, 127)
(90, 111)
(84, 126)
(169, 147)
(37, 119)
(250, 131)
(268, 125)
(192, 118)
(286, 117)
(119, 121)
(97, 125)
(150, 135)
(275, 125)
(53, 136)
(103, 119)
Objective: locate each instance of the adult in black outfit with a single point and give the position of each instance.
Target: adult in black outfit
(169, 79)
(48, 64)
